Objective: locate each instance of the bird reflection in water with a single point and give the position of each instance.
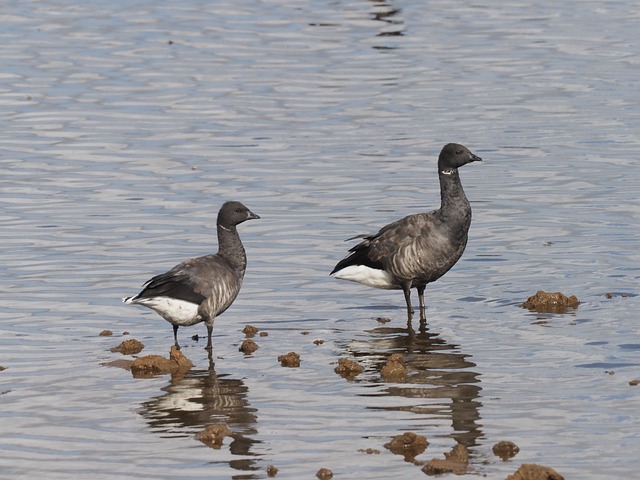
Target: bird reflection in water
(200, 398)
(390, 21)
(439, 377)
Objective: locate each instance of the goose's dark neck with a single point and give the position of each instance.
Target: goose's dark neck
(230, 247)
(454, 203)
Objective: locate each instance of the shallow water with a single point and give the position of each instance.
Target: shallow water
(126, 126)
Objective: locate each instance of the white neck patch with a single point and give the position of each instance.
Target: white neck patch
(448, 171)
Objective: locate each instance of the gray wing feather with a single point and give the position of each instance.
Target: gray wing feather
(208, 281)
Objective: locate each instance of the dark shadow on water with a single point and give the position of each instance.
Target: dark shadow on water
(389, 16)
(603, 365)
(199, 398)
(439, 377)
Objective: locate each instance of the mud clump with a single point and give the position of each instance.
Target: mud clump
(291, 360)
(532, 471)
(2, 368)
(248, 346)
(633, 382)
(105, 333)
(456, 461)
(505, 450)
(459, 454)
(550, 302)
(213, 435)
(409, 444)
(318, 342)
(272, 471)
(129, 347)
(370, 451)
(250, 331)
(324, 474)
(394, 370)
(348, 369)
(151, 365)
(383, 320)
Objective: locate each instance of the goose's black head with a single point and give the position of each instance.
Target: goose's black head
(454, 155)
(234, 213)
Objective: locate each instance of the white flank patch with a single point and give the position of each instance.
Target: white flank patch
(178, 312)
(367, 276)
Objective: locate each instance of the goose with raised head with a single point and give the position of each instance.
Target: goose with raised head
(417, 249)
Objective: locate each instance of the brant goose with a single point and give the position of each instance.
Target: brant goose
(420, 248)
(199, 289)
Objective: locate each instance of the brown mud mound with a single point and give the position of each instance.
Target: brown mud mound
(394, 370)
(248, 346)
(505, 449)
(272, 471)
(2, 368)
(409, 444)
(550, 302)
(250, 331)
(291, 360)
(151, 365)
(456, 461)
(105, 333)
(213, 435)
(532, 471)
(348, 369)
(370, 451)
(324, 474)
(129, 347)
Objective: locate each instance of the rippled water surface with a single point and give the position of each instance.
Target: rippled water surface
(126, 124)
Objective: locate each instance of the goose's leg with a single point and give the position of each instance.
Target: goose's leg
(175, 336)
(423, 308)
(209, 324)
(407, 298)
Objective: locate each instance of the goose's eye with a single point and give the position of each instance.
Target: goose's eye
(458, 152)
